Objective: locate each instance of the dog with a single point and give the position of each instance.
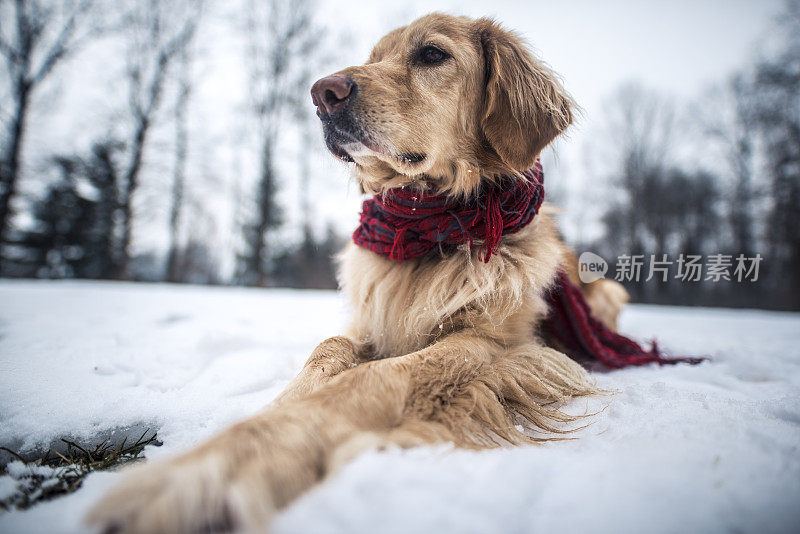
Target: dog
(444, 348)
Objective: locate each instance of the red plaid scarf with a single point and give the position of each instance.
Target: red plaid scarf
(404, 224)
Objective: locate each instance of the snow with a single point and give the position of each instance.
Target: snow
(8, 486)
(710, 448)
(17, 469)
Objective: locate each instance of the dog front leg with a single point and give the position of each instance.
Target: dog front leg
(238, 479)
(330, 358)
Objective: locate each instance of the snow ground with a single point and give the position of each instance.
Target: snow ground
(712, 448)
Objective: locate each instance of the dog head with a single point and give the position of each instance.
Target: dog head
(443, 102)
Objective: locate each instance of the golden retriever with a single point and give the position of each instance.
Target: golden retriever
(439, 349)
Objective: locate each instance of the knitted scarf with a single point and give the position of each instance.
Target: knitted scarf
(403, 224)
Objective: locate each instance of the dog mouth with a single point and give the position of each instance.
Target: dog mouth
(346, 139)
(344, 146)
(348, 147)
(338, 150)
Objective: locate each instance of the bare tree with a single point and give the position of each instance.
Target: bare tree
(195, 261)
(640, 125)
(665, 209)
(179, 169)
(282, 36)
(36, 36)
(157, 33)
(728, 115)
(777, 84)
(307, 139)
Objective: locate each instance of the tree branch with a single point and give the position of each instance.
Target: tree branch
(8, 51)
(64, 44)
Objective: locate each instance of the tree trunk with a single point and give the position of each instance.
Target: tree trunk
(131, 181)
(305, 184)
(10, 173)
(266, 212)
(178, 184)
(741, 214)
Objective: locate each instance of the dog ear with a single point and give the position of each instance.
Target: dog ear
(525, 107)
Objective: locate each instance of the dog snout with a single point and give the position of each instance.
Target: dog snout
(330, 94)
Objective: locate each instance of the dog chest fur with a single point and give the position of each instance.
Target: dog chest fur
(398, 308)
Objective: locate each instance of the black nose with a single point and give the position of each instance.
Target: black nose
(331, 93)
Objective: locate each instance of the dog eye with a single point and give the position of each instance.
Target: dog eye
(430, 55)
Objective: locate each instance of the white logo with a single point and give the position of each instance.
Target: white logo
(591, 267)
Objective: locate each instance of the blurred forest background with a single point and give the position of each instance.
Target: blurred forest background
(149, 186)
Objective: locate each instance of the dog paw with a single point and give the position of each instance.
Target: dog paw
(198, 492)
(606, 299)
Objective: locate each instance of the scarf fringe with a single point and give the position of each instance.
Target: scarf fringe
(572, 324)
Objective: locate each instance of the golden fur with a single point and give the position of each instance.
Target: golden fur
(440, 349)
